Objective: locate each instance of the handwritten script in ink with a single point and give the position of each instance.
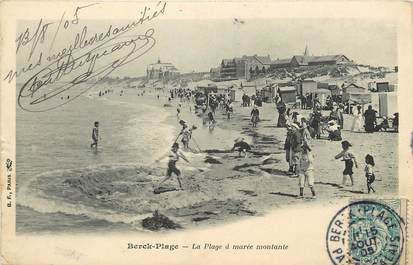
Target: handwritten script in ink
(55, 78)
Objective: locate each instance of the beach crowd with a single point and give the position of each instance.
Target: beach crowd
(305, 126)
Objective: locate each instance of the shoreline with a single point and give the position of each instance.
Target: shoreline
(233, 187)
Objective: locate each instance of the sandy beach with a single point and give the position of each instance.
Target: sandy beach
(218, 185)
(259, 181)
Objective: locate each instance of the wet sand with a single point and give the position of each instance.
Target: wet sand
(219, 186)
(259, 184)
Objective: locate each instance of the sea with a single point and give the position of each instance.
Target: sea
(52, 146)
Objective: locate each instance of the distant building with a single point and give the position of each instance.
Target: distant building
(215, 72)
(243, 67)
(161, 71)
(255, 65)
(300, 60)
(250, 66)
(307, 60)
(228, 68)
(307, 87)
(280, 63)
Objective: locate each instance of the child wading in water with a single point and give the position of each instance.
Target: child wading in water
(95, 135)
(306, 174)
(174, 156)
(348, 158)
(369, 169)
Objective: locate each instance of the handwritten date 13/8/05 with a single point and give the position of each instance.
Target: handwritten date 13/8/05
(56, 78)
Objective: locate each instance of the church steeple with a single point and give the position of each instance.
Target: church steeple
(306, 52)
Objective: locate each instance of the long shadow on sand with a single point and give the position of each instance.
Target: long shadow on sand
(273, 171)
(328, 184)
(355, 191)
(284, 194)
(245, 165)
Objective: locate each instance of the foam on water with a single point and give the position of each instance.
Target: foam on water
(53, 150)
(47, 193)
(132, 132)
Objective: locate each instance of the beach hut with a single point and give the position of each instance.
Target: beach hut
(322, 94)
(387, 104)
(307, 86)
(288, 94)
(354, 89)
(268, 93)
(322, 85)
(382, 87)
(334, 89)
(357, 98)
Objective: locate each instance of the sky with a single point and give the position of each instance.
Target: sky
(198, 45)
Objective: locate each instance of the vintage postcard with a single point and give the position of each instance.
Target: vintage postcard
(232, 132)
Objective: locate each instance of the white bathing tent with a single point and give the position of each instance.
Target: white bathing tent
(387, 104)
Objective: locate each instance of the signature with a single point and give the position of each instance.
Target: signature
(88, 58)
(35, 90)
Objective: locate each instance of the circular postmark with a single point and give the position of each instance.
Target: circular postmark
(365, 232)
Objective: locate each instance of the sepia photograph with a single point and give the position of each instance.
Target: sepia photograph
(239, 117)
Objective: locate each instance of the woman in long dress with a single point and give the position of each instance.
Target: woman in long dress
(370, 119)
(357, 120)
(281, 108)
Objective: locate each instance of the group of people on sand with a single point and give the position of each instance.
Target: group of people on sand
(185, 135)
(368, 120)
(301, 160)
(301, 131)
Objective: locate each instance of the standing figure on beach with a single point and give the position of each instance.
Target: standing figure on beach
(296, 148)
(95, 136)
(315, 121)
(306, 172)
(174, 156)
(370, 119)
(340, 111)
(241, 146)
(178, 111)
(244, 100)
(229, 109)
(204, 108)
(255, 116)
(369, 169)
(305, 131)
(293, 147)
(281, 108)
(309, 101)
(211, 120)
(287, 148)
(186, 134)
(316, 102)
(396, 122)
(357, 120)
(349, 160)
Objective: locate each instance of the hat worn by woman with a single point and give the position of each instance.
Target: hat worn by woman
(346, 144)
(295, 125)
